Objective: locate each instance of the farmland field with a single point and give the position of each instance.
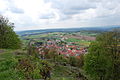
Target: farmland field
(78, 41)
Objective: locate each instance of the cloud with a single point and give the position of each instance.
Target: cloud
(16, 10)
(71, 6)
(49, 15)
(9, 5)
(36, 14)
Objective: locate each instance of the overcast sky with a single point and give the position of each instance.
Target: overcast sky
(46, 14)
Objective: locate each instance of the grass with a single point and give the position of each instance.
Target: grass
(78, 41)
(8, 71)
(8, 62)
(7, 66)
(38, 36)
(87, 33)
(62, 73)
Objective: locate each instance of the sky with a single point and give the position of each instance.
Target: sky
(48, 14)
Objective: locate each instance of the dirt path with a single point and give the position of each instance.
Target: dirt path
(1, 51)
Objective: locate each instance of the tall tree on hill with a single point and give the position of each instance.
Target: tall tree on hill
(103, 60)
(111, 41)
(8, 38)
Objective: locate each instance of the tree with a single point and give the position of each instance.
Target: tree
(111, 41)
(97, 62)
(103, 60)
(8, 38)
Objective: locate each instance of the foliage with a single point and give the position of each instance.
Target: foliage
(33, 68)
(96, 62)
(76, 62)
(80, 61)
(45, 70)
(26, 67)
(61, 59)
(51, 53)
(8, 38)
(103, 60)
(72, 61)
(111, 41)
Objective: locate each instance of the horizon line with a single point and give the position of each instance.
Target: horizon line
(69, 28)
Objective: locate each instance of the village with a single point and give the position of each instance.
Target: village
(61, 46)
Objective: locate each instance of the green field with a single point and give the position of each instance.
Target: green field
(79, 42)
(36, 36)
